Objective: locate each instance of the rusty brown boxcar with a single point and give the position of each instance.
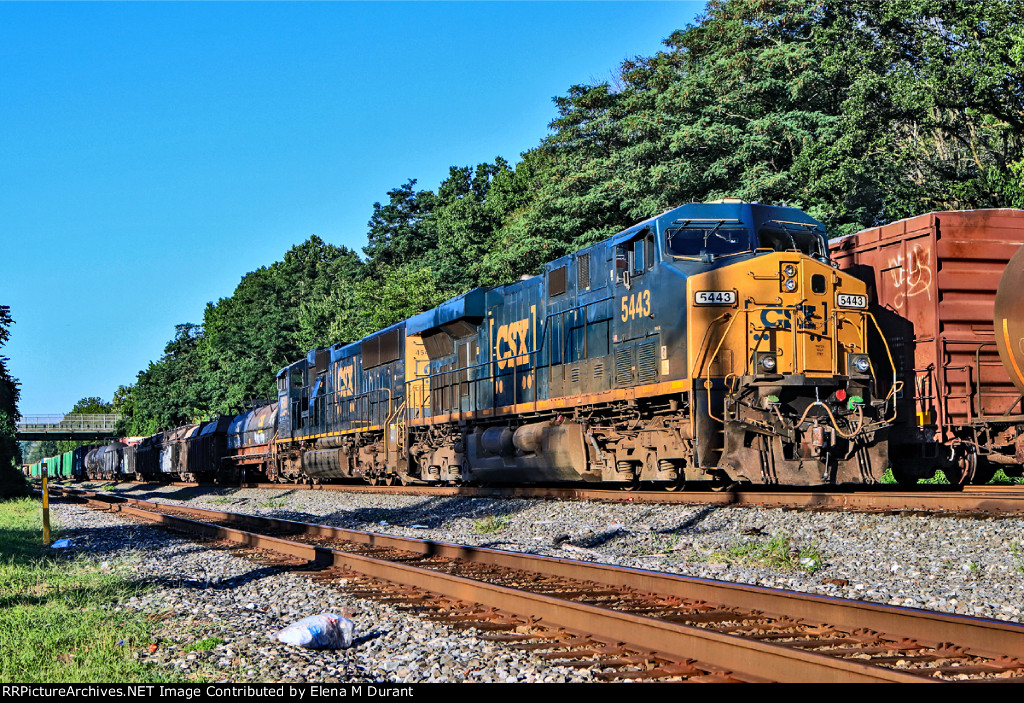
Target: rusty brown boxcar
(933, 282)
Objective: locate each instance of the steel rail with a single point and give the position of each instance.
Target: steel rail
(988, 500)
(759, 660)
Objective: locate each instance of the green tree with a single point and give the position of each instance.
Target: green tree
(471, 206)
(400, 231)
(170, 392)
(256, 331)
(11, 480)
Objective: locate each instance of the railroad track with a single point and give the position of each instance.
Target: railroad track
(987, 501)
(624, 623)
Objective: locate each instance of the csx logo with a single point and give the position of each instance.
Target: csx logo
(511, 345)
(344, 380)
(782, 319)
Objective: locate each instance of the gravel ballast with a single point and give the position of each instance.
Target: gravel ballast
(956, 565)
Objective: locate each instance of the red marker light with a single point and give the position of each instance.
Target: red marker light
(840, 395)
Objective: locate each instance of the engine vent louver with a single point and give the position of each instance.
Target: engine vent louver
(647, 362)
(623, 366)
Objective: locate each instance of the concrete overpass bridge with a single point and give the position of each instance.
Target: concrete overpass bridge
(66, 427)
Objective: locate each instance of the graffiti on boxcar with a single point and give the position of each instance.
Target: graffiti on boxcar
(911, 277)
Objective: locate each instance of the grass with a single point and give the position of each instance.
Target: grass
(204, 645)
(778, 552)
(273, 503)
(58, 620)
(1000, 478)
(1018, 556)
(491, 524)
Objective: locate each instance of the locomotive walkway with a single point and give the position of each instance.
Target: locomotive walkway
(66, 427)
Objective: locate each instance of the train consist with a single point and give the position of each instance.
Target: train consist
(717, 342)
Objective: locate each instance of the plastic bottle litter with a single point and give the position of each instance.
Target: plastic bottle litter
(324, 631)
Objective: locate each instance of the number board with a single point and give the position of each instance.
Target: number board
(714, 297)
(846, 300)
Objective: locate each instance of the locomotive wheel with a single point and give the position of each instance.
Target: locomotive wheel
(721, 481)
(631, 485)
(390, 480)
(678, 485)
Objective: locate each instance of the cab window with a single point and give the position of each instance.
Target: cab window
(712, 239)
(781, 238)
(634, 256)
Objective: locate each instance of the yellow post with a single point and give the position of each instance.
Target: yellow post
(46, 510)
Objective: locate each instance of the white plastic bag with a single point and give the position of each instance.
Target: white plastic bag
(324, 631)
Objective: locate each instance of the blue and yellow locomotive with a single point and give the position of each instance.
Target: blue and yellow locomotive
(713, 342)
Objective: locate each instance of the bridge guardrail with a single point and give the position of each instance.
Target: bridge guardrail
(67, 422)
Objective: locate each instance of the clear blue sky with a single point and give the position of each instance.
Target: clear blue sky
(151, 154)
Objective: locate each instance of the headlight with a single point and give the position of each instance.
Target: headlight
(768, 363)
(789, 270)
(860, 363)
(789, 285)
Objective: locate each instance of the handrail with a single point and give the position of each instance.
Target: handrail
(74, 421)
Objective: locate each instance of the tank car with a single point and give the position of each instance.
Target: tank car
(932, 282)
(107, 462)
(248, 444)
(713, 342)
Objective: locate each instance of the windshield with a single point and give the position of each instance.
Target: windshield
(778, 237)
(716, 239)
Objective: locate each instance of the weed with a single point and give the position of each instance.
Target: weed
(220, 500)
(204, 645)
(491, 524)
(1001, 478)
(661, 544)
(273, 503)
(1018, 556)
(777, 553)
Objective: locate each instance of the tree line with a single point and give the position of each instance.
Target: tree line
(859, 113)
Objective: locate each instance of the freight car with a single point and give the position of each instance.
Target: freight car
(69, 465)
(713, 342)
(932, 282)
